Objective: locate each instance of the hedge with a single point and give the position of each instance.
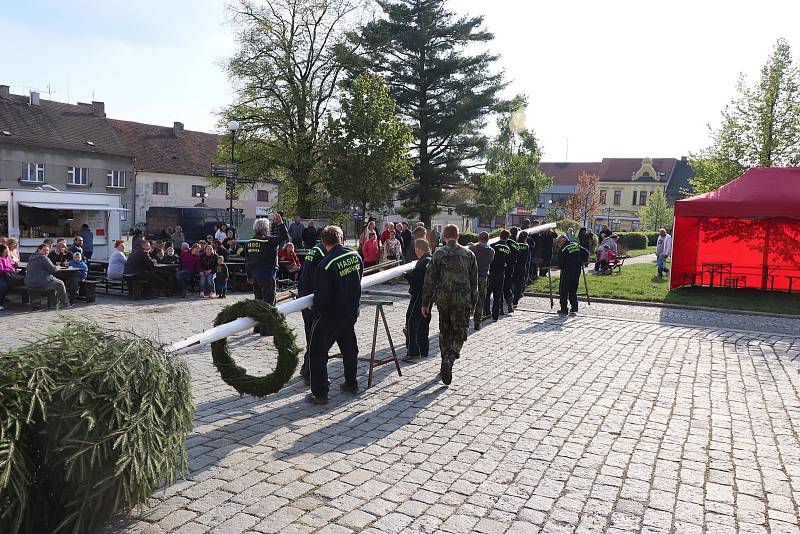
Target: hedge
(466, 238)
(632, 240)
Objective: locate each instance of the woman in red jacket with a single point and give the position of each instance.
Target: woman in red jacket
(288, 261)
(371, 250)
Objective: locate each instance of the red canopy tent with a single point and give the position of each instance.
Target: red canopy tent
(746, 232)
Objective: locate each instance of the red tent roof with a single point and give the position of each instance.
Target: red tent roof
(759, 192)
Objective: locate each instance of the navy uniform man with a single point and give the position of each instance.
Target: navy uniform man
(521, 262)
(508, 283)
(497, 269)
(452, 280)
(261, 261)
(305, 287)
(337, 295)
(417, 325)
(570, 261)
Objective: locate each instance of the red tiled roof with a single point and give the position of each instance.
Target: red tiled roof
(623, 169)
(608, 170)
(56, 125)
(566, 173)
(157, 149)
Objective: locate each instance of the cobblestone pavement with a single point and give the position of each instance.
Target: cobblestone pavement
(623, 419)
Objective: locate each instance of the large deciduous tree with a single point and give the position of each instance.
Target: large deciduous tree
(285, 72)
(585, 203)
(444, 87)
(367, 149)
(760, 127)
(657, 212)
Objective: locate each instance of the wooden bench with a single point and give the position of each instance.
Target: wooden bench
(136, 288)
(33, 296)
(88, 290)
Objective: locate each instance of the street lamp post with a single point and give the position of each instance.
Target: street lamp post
(233, 127)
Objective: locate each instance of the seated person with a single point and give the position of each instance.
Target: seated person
(220, 250)
(60, 255)
(116, 263)
(157, 250)
(77, 263)
(170, 258)
(39, 275)
(6, 269)
(288, 262)
(189, 266)
(142, 267)
(235, 249)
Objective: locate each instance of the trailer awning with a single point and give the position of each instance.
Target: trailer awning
(68, 206)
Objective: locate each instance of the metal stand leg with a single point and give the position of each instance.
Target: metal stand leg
(391, 344)
(374, 341)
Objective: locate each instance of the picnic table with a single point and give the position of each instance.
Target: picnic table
(714, 269)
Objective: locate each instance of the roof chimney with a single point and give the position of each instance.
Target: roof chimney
(34, 98)
(684, 158)
(5, 91)
(177, 129)
(98, 109)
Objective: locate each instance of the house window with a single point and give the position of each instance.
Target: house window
(123, 215)
(160, 188)
(484, 222)
(635, 197)
(199, 191)
(262, 195)
(117, 179)
(34, 172)
(603, 193)
(643, 198)
(617, 197)
(77, 176)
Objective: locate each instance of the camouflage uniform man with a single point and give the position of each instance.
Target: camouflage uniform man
(453, 275)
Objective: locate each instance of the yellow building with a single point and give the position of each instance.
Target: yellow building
(626, 185)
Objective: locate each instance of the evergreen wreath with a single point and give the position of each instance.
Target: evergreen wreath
(283, 336)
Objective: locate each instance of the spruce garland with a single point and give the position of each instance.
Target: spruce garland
(235, 375)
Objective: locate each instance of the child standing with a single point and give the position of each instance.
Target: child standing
(221, 278)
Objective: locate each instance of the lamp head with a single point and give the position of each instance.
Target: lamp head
(233, 126)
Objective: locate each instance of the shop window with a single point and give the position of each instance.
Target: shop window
(77, 176)
(635, 197)
(117, 179)
(617, 197)
(262, 195)
(643, 198)
(603, 194)
(34, 172)
(484, 222)
(160, 188)
(199, 191)
(500, 221)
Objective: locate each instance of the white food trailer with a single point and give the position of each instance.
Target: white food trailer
(32, 215)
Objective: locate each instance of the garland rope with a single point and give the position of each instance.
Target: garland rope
(283, 337)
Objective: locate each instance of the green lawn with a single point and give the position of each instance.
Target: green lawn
(639, 282)
(640, 251)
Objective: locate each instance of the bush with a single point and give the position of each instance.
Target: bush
(495, 232)
(632, 240)
(91, 423)
(466, 238)
(652, 238)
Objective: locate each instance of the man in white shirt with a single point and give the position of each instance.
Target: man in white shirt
(663, 251)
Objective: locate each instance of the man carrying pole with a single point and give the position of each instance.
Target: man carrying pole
(305, 287)
(337, 295)
(453, 275)
(570, 261)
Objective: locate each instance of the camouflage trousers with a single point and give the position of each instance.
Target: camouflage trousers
(453, 327)
(483, 285)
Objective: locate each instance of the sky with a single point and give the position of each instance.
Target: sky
(620, 78)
